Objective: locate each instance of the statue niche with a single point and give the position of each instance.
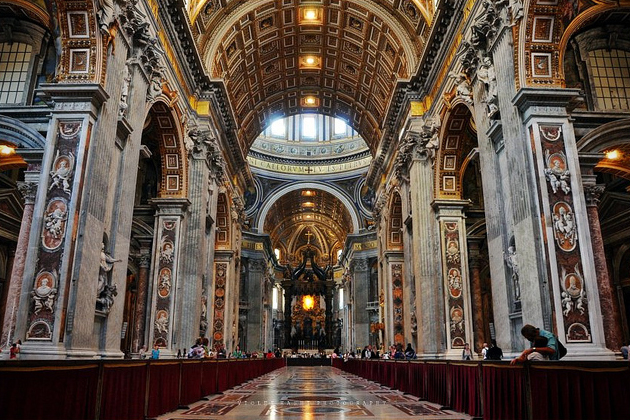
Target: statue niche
(308, 293)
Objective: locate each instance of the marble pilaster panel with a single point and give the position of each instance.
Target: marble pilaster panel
(456, 279)
(167, 252)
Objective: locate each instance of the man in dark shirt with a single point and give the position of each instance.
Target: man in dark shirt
(494, 352)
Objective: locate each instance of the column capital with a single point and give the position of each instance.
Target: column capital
(28, 191)
(144, 260)
(592, 193)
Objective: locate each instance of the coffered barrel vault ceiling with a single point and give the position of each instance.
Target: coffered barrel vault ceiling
(316, 211)
(347, 56)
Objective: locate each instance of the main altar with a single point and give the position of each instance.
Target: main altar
(308, 305)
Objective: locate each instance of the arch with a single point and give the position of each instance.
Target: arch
(173, 157)
(578, 23)
(340, 194)
(458, 139)
(264, 71)
(36, 10)
(605, 136)
(22, 136)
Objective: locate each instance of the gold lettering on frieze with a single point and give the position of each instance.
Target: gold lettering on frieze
(365, 245)
(308, 169)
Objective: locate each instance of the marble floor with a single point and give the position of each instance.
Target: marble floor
(311, 393)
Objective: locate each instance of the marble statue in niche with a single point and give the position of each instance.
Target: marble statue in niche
(106, 291)
(512, 261)
(122, 107)
(487, 75)
(463, 89)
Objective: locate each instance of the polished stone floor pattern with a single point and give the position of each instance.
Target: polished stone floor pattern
(311, 393)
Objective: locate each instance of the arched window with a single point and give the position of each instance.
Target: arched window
(610, 79)
(598, 61)
(20, 55)
(15, 60)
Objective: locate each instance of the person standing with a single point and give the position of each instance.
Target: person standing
(155, 353)
(467, 353)
(484, 351)
(494, 352)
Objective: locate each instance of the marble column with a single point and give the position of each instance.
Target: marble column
(477, 304)
(255, 280)
(426, 259)
(190, 290)
(612, 316)
(141, 302)
(29, 191)
(361, 281)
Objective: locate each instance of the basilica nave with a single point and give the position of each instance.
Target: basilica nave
(313, 174)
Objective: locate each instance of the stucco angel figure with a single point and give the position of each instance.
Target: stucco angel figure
(43, 296)
(53, 222)
(556, 173)
(61, 173)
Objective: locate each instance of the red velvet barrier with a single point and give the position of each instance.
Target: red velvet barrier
(67, 392)
(223, 374)
(416, 379)
(580, 393)
(337, 363)
(124, 391)
(209, 377)
(465, 390)
(163, 388)
(383, 373)
(191, 382)
(401, 375)
(437, 383)
(503, 392)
